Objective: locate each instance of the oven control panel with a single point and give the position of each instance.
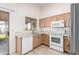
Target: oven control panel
(58, 31)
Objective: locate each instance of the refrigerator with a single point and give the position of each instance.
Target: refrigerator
(74, 42)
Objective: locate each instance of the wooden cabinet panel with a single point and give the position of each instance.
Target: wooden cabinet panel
(53, 18)
(66, 44)
(66, 17)
(46, 39)
(41, 23)
(40, 39)
(60, 17)
(37, 40)
(18, 45)
(46, 22)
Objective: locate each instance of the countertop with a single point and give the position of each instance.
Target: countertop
(29, 33)
(24, 34)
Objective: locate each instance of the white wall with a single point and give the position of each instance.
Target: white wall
(17, 19)
(54, 9)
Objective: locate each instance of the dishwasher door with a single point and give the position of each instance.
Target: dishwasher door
(27, 44)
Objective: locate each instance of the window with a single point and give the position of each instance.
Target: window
(2, 27)
(29, 26)
(2, 30)
(30, 23)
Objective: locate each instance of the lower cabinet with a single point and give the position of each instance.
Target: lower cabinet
(46, 39)
(23, 45)
(66, 44)
(37, 40)
(18, 45)
(40, 39)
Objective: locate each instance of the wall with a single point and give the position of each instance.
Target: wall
(54, 9)
(17, 19)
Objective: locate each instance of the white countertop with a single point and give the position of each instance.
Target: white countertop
(29, 33)
(24, 34)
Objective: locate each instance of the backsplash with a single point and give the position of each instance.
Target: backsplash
(48, 29)
(67, 30)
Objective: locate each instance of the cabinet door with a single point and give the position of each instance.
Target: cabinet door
(66, 18)
(40, 39)
(41, 23)
(46, 39)
(60, 17)
(66, 44)
(47, 22)
(53, 18)
(35, 41)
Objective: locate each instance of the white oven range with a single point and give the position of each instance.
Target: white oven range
(56, 42)
(57, 34)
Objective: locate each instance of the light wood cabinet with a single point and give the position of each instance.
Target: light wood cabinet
(60, 17)
(37, 40)
(53, 18)
(46, 22)
(4, 15)
(66, 18)
(46, 39)
(66, 44)
(18, 45)
(41, 23)
(40, 39)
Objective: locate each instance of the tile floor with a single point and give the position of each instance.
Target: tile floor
(44, 50)
(4, 47)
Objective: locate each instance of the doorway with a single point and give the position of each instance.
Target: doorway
(4, 32)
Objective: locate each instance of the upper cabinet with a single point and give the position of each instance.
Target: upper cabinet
(30, 23)
(41, 23)
(46, 22)
(4, 15)
(67, 17)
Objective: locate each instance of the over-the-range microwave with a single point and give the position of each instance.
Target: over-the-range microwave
(59, 23)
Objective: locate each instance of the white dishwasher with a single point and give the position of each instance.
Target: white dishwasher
(27, 44)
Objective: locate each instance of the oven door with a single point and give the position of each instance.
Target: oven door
(56, 39)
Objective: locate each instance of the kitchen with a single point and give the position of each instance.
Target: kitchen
(39, 29)
(52, 27)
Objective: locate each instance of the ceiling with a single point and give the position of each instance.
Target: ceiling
(42, 4)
